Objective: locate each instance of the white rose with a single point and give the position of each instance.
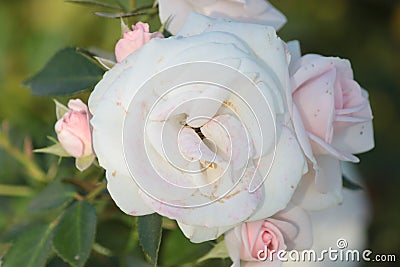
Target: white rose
(253, 11)
(196, 128)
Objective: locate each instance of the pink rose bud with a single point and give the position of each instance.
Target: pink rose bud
(73, 130)
(133, 40)
(258, 243)
(334, 109)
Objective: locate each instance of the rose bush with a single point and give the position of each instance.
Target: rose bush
(196, 128)
(253, 11)
(258, 243)
(333, 121)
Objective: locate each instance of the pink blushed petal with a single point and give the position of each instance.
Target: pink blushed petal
(315, 103)
(325, 148)
(77, 105)
(124, 48)
(71, 143)
(356, 138)
(295, 225)
(311, 66)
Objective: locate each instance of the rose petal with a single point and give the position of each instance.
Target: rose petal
(126, 194)
(317, 116)
(70, 141)
(231, 138)
(308, 194)
(324, 148)
(295, 225)
(282, 179)
(198, 234)
(251, 11)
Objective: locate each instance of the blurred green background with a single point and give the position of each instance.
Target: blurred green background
(365, 31)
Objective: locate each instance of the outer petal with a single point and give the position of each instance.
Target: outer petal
(250, 11)
(233, 241)
(71, 143)
(176, 11)
(295, 56)
(356, 138)
(232, 208)
(198, 234)
(282, 179)
(308, 194)
(300, 219)
(126, 194)
(318, 115)
(77, 105)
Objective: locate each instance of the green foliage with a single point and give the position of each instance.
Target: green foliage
(55, 195)
(68, 72)
(150, 231)
(74, 235)
(182, 249)
(94, 3)
(31, 249)
(114, 235)
(219, 251)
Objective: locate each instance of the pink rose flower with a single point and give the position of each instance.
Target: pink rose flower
(335, 111)
(73, 130)
(133, 40)
(258, 243)
(332, 119)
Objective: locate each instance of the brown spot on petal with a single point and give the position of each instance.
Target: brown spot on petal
(160, 59)
(114, 173)
(231, 195)
(229, 104)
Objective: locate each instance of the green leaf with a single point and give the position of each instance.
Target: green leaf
(67, 72)
(56, 149)
(136, 262)
(105, 63)
(74, 235)
(93, 3)
(184, 251)
(150, 231)
(349, 184)
(55, 195)
(31, 249)
(60, 109)
(114, 235)
(83, 163)
(219, 251)
(118, 14)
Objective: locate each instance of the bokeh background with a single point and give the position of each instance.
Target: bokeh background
(365, 31)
